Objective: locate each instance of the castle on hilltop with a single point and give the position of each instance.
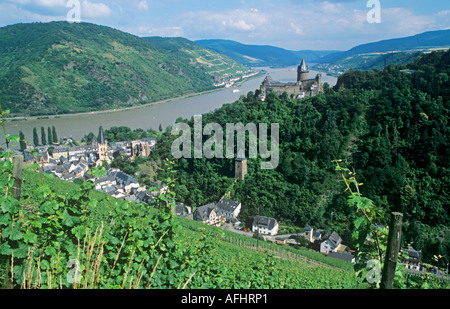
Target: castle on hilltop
(304, 87)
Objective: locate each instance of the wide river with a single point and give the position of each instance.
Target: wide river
(149, 116)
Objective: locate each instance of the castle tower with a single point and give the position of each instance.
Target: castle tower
(240, 165)
(102, 148)
(302, 71)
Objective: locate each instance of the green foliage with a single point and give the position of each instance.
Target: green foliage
(67, 239)
(55, 135)
(43, 136)
(122, 133)
(23, 144)
(402, 154)
(389, 125)
(35, 137)
(369, 238)
(312, 132)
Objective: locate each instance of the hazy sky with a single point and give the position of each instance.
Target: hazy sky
(291, 24)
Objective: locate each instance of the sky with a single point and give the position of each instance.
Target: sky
(290, 24)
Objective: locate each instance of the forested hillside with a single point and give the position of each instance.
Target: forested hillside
(58, 67)
(391, 126)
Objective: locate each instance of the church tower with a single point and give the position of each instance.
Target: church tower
(240, 165)
(302, 71)
(102, 148)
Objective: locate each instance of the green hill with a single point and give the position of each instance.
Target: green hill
(58, 67)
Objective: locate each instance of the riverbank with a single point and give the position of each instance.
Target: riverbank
(120, 109)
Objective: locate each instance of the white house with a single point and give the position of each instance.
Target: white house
(126, 182)
(330, 243)
(209, 214)
(105, 181)
(265, 225)
(230, 209)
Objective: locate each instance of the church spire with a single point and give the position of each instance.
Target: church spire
(102, 137)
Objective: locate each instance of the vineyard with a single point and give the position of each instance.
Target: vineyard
(62, 235)
(246, 264)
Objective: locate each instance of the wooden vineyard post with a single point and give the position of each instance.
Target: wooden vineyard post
(17, 175)
(257, 229)
(393, 247)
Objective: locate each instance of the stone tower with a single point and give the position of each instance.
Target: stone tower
(240, 165)
(302, 71)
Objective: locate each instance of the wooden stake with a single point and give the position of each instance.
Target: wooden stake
(393, 247)
(17, 175)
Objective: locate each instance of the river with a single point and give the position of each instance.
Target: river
(150, 116)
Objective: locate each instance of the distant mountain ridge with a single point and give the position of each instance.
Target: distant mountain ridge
(367, 56)
(261, 55)
(422, 41)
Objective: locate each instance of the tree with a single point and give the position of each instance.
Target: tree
(35, 138)
(55, 136)
(49, 136)
(43, 138)
(23, 144)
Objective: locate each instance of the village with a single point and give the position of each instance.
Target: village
(73, 164)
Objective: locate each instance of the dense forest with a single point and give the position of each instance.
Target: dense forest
(390, 126)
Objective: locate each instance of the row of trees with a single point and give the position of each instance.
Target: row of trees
(46, 139)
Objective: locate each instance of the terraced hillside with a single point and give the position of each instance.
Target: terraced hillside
(225, 70)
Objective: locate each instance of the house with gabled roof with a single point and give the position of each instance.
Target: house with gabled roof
(182, 210)
(330, 243)
(229, 208)
(265, 225)
(144, 197)
(209, 214)
(104, 181)
(344, 256)
(126, 182)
